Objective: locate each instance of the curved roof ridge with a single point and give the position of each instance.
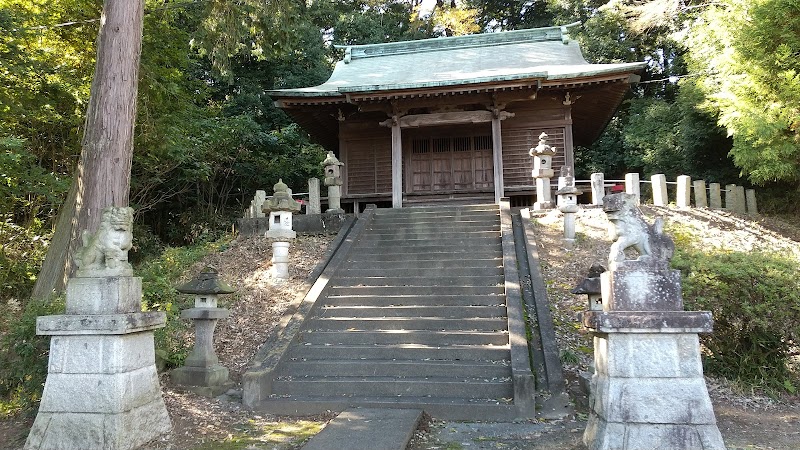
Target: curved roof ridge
(555, 33)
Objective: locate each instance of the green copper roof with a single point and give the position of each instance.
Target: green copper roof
(539, 53)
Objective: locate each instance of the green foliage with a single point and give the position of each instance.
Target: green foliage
(29, 195)
(160, 276)
(23, 354)
(755, 301)
(745, 52)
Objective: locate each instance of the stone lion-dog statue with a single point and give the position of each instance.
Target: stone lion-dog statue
(629, 229)
(105, 253)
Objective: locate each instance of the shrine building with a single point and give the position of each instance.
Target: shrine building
(453, 118)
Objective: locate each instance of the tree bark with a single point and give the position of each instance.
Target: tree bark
(103, 175)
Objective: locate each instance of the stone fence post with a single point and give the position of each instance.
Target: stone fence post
(714, 196)
(700, 198)
(598, 188)
(684, 191)
(632, 186)
(752, 207)
(313, 206)
(735, 199)
(659, 186)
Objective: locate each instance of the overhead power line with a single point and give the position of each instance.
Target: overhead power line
(83, 22)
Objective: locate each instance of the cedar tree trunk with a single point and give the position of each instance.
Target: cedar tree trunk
(103, 176)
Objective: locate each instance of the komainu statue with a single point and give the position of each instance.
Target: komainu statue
(629, 229)
(105, 253)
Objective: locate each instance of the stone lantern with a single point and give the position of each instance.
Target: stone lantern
(333, 179)
(542, 172)
(592, 288)
(280, 208)
(568, 204)
(202, 370)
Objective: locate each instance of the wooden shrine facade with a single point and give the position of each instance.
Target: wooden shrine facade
(418, 136)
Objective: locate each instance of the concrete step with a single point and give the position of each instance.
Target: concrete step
(490, 280)
(475, 223)
(443, 312)
(392, 266)
(430, 338)
(498, 410)
(457, 242)
(399, 368)
(438, 208)
(411, 324)
(434, 213)
(426, 248)
(435, 234)
(415, 300)
(427, 272)
(416, 290)
(393, 386)
(368, 429)
(308, 352)
(382, 255)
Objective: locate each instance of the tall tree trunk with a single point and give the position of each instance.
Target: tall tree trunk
(103, 176)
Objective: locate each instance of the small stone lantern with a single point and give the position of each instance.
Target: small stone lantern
(333, 179)
(542, 171)
(568, 204)
(202, 371)
(280, 208)
(591, 286)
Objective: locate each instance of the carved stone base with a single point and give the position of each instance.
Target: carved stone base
(648, 392)
(102, 389)
(102, 392)
(208, 381)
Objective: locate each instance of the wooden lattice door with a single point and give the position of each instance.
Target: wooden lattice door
(448, 164)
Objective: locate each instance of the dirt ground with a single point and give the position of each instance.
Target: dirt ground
(746, 420)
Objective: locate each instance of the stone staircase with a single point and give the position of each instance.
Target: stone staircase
(416, 317)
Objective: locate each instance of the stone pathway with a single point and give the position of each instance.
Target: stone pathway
(368, 429)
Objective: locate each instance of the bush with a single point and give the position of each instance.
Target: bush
(23, 354)
(755, 300)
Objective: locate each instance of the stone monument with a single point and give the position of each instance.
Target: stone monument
(542, 172)
(202, 372)
(648, 390)
(333, 179)
(102, 389)
(280, 208)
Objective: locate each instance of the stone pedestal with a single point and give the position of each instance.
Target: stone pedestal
(335, 200)
(202, 371)
(648, 390)
(543, 198)
(280, 261)
(102, 389)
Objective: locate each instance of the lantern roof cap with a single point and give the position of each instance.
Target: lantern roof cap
(206, 282)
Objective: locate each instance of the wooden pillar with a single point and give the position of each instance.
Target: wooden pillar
(397, 165)
(497, 151)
